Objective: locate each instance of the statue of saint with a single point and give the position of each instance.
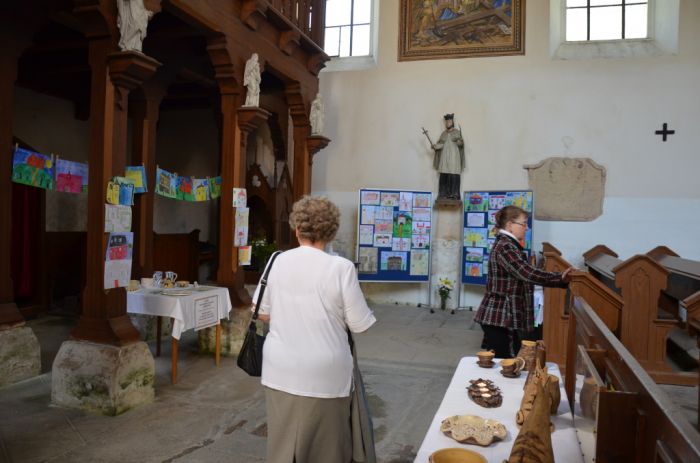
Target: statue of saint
(316, 115)
(449, 159)
(251, 79)
(132, 22)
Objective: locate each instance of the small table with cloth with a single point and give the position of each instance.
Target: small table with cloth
(181, 308)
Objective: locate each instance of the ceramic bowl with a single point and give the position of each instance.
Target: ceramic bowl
(456, 455)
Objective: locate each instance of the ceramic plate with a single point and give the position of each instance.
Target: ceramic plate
(176, 292)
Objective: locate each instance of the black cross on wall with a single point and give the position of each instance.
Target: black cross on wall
(665, 132)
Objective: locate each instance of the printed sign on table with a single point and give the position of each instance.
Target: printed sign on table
(206, 312)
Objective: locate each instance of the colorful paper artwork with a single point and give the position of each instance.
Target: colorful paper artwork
(476, 202)
(420, 241)
(403, 224)
(421, 228)
(120, 191)
(215, 187)
(33, 169)
(421, 214)
(240, 235)
(384, 213)
(473, 270)
(406, 201)
(71, 176)
(185, 190)
(421, 200)
(400, 244)
(368, 260)
(492, 217)
(367, 215)
(393, 261)
(476, 219)
(521, 199)
(201, 189)
(497, 202)
(420, 262)
(240, 197)
(244, 255)
(367, 234)
(370, 198)
(137, 175)
(118, 259)
(382, 240)
(475, 254)
(117, 218)
(389, 198)
(113, 193)
(475, 237)
(166, 183)
(384, 226)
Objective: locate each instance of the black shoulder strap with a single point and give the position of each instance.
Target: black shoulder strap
(263, 283)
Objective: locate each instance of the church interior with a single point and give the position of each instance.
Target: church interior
(202, 122)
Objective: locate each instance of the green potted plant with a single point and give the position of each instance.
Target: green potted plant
(261, 252)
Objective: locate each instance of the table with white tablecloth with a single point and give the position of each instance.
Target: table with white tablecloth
(457, 402)
(180, 305)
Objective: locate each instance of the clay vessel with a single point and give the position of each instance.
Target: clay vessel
(471, 429)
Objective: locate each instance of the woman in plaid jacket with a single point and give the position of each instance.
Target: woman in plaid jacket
(507, 307)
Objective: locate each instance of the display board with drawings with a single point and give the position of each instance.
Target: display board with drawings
(480, 208)
(393, 235)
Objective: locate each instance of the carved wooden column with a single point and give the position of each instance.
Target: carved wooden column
(145, 113)
(104, 319)
(9, 314)
(301, 176)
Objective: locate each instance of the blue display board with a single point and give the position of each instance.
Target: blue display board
(393, 235)
(479, 210)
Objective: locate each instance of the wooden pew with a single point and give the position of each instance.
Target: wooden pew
(621, 415)
(556, 304)
(643, 327)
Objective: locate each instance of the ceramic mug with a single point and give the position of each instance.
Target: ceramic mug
(147, 282)
(172, 276)
(512, 366)
(485, 356)
(157, 278)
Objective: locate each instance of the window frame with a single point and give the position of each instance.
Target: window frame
(354, 63)
(624, 5)
(662, 27)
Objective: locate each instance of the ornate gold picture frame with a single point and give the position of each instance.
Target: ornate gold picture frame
(438, 29)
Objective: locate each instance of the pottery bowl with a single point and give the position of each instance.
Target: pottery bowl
(456, 455)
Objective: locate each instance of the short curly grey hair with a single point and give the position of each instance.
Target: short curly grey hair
(315, 218)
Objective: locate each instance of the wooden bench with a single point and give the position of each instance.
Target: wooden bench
(556, 304)
(621, 415)
(644, 327)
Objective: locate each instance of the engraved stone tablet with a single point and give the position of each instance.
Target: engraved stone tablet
(567, 188)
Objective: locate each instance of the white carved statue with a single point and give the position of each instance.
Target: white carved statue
(316, 115)
(251, 79)
(132, 22)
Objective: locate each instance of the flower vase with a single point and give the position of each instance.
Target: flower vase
(443, 303)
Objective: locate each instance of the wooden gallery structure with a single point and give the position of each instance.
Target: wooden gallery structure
(193, 56)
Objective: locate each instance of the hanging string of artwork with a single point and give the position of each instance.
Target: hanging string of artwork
(186, 188)
(48, 171)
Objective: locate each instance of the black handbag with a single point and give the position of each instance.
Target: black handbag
(250, 356)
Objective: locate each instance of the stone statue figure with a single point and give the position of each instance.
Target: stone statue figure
(316, 115)
(251, 79)
(449, 159)
(132, 22)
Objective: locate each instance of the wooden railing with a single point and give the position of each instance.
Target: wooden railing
(309, 16)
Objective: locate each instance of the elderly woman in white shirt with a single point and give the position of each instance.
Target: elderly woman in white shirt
(311, 299)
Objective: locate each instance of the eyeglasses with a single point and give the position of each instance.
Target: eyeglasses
(522, 224)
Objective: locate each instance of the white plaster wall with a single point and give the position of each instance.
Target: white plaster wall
(49, 126)
(517, 110)
(188, 143)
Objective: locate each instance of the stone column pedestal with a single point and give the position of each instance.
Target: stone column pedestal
(233, 332)
(20, 356)
(447, 249)
(103, 378)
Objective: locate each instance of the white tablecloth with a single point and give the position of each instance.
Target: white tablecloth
(457, 402)
(179, 308)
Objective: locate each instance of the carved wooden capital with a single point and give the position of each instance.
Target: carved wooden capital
(252, 12)
(316, 143)
(316, 62)
(289, 40)
(297, 105)
(96, 20)
(224, 69)
(250, 118)
(130, 69)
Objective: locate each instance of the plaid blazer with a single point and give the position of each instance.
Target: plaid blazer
(508, 301)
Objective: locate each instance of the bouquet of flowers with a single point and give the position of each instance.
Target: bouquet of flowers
(444, 289)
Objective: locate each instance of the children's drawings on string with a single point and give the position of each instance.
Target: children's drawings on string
(117, 218)
(71, 176)
(33, 169)
(137, 175)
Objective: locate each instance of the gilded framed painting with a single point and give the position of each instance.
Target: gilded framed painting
(439, 29)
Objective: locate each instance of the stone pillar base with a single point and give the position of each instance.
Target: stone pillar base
(147, 326)
(102, 378)
(232, 334)
(20, 355)
(447, 249)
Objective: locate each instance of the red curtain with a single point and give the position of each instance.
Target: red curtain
(26, 235)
